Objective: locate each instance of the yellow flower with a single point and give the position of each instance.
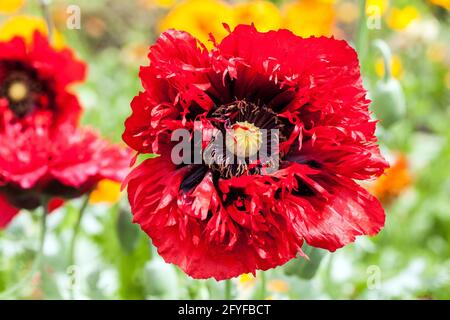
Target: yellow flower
(380, 6)
(107, 191)
(10, 6)
(278, 286)
(310, 17)
(246, 280)
(442, 3)
(401, 18)
(25, 26)
(396, 67)
(264, 14)
(200, 18)
(394, 181)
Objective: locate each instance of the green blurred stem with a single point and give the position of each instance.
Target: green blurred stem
(228, 288)
(45, 8)
(37, 263)
(362, 33)
(73, 240)
(263, 287)
(387, 57)
(76, 230)
(45, 213)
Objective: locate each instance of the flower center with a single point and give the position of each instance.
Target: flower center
(18, 91)
(245, 131)
(22, 91)
(244, 139)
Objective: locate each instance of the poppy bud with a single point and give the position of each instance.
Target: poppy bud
(388, 100)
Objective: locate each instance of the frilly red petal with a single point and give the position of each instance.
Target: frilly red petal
(60, 66)
(7, 212)
(65, 163)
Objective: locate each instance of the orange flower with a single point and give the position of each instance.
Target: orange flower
(394, 181)
(442, 3)
(107, 191)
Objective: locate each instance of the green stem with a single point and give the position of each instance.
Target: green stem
(263, 288)
(387, 57)
(228, 289)
(43, 233)
(76, 230)
(73, 240)
(45, 5)
(37, 263)
(362, 33)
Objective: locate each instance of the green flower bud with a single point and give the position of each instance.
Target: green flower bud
(388, 102)
(388, 99)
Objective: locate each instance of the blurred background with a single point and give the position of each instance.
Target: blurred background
(404, 52)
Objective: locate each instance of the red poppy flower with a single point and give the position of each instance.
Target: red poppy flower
(57, 166)
(222, 220)
(35, 80)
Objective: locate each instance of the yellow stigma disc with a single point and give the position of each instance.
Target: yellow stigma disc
(18, 91)
(244, 140)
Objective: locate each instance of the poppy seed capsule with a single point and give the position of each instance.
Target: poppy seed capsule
(18, 91)
(244, 140)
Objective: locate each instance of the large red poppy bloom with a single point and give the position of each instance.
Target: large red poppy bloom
(35, 80)
(37, 162)
(223, 220)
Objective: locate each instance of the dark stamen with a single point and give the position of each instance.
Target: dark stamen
(242, 118)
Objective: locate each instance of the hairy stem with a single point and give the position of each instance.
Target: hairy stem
(73, 240)
(45, 8)
(263, 287)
